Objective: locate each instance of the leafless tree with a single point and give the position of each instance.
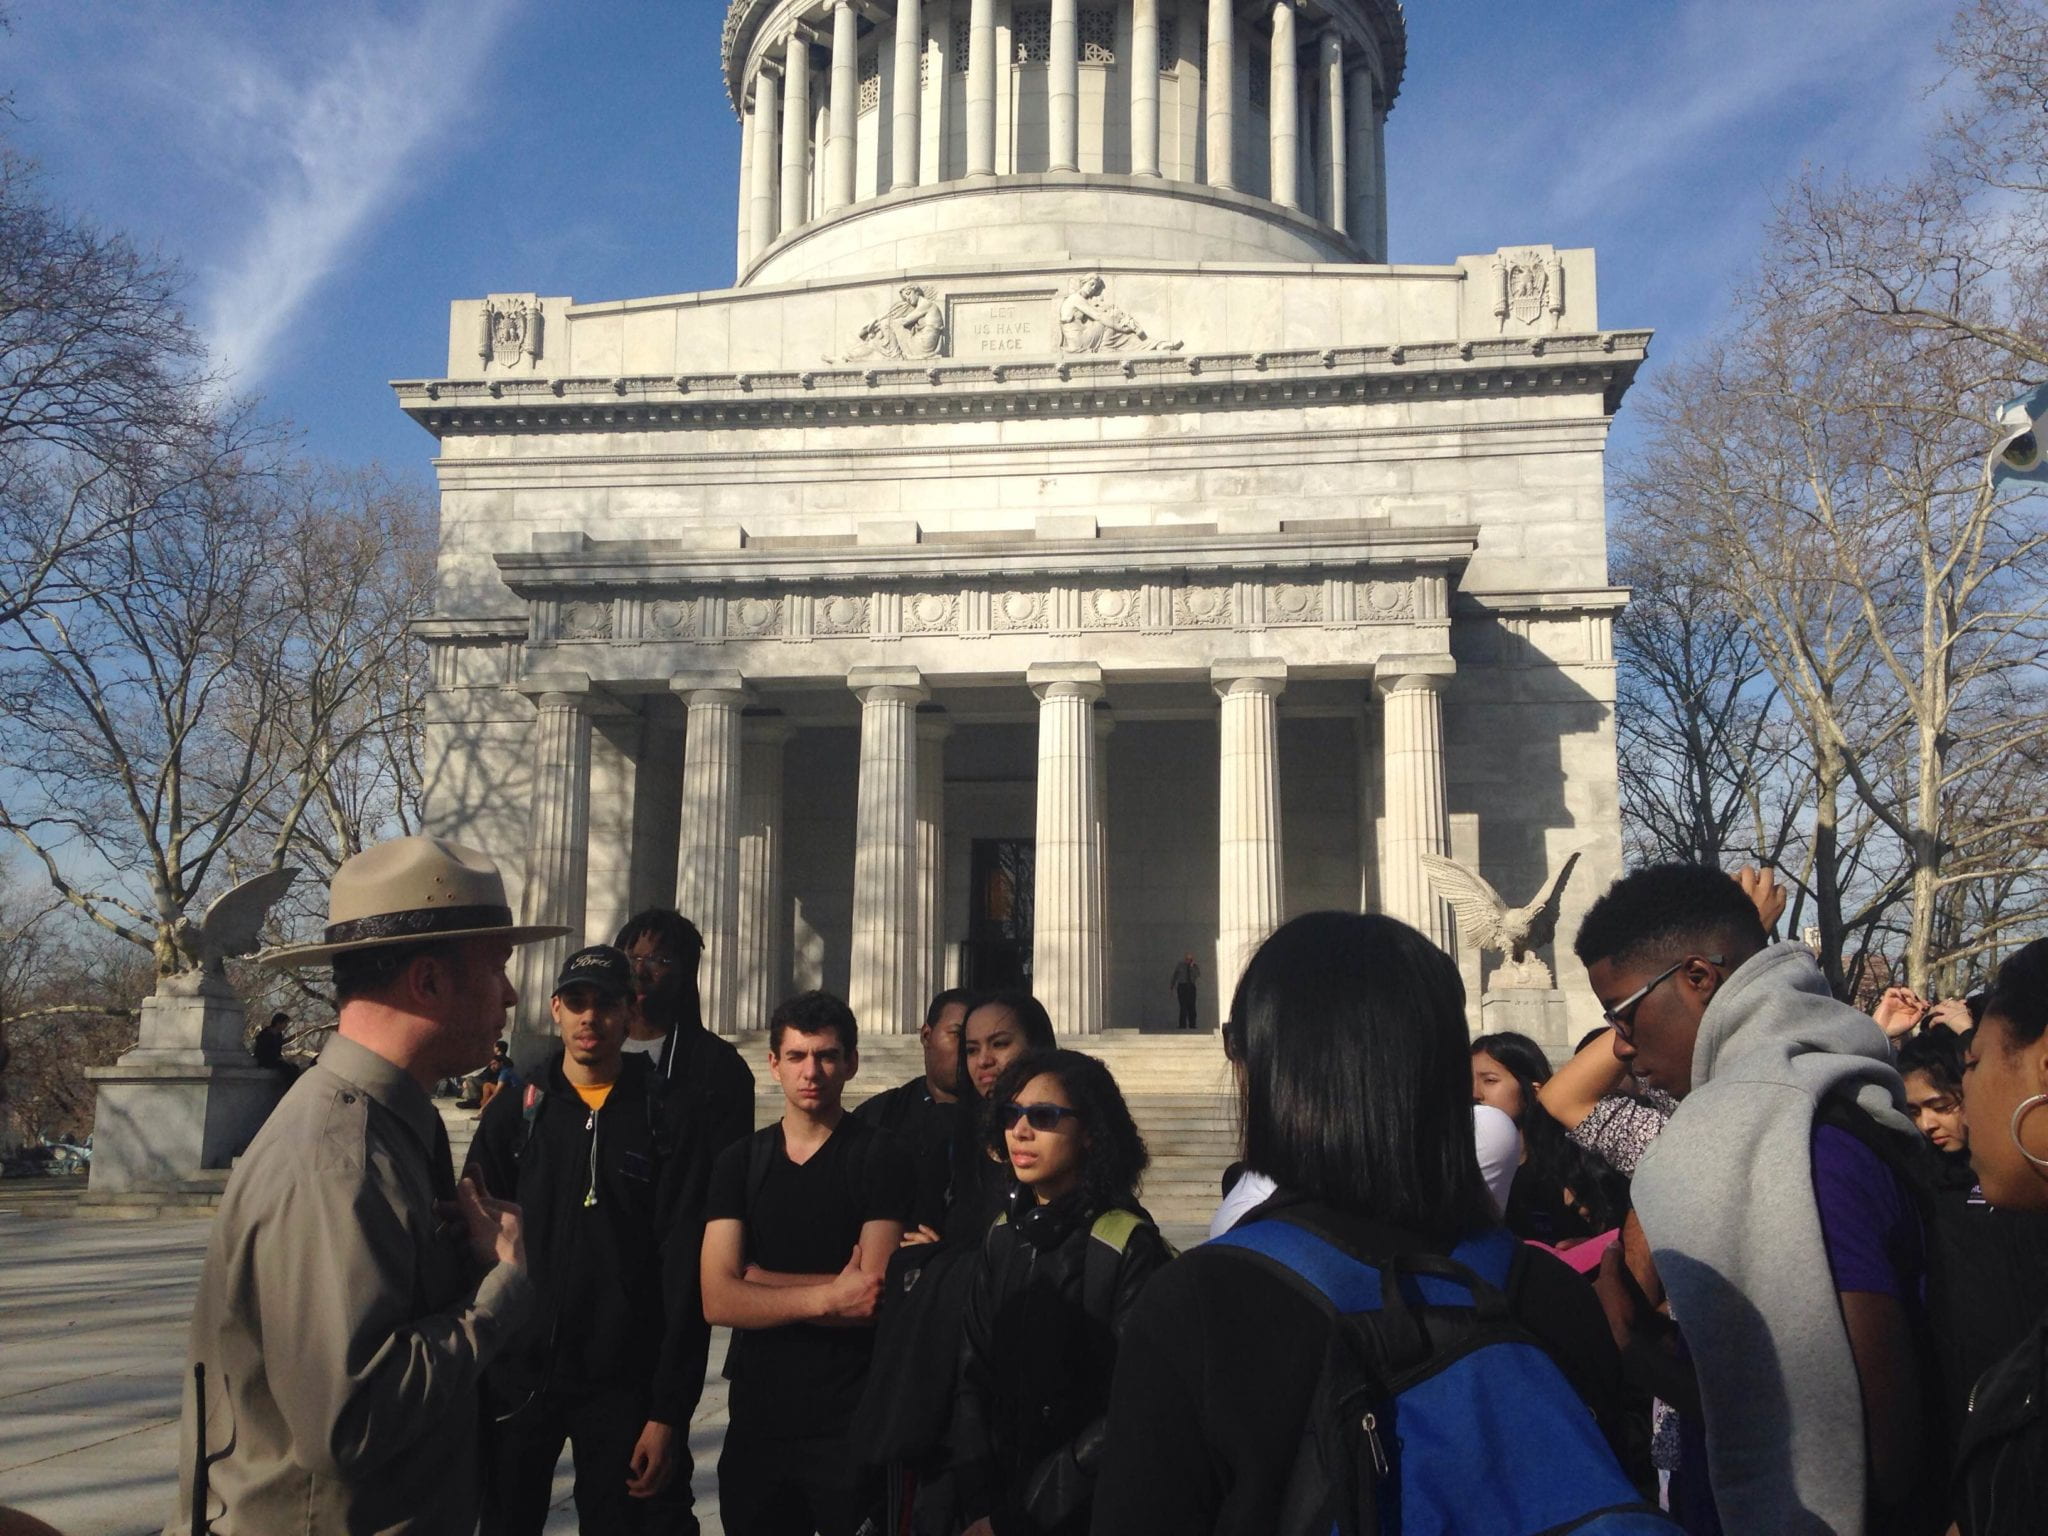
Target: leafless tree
(193, 711)
(103, 393)
(1826, 466)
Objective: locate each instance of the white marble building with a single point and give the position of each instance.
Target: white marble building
(1068, 543)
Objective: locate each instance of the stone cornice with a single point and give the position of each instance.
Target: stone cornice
(1552, 600)
(660, 563)
(945, 389)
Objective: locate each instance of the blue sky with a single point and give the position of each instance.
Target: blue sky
(330, 176)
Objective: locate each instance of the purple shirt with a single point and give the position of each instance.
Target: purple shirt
(1870, 1228)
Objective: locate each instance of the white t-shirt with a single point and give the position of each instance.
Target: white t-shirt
(1496, 1137)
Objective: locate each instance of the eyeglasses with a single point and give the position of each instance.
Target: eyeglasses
(1040, 1117)
(1623, 1014)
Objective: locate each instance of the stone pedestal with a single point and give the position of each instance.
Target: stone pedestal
(187, 1098)
(1537, 1012)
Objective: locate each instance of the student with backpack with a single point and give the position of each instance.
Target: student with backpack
(1370, 1351)
(1058, 1276)
(609, 1181)
(800, 1222)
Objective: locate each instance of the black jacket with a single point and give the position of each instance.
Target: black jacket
(613, 1205)
(1217, 1367)
(715, 1084)
(925, 1128)
(2002, 1485)
(1035, 1369)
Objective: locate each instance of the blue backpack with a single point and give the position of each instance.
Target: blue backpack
(1435, 1411)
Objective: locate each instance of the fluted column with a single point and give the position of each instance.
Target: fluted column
(557, 838)
(796, 132)
(839, 149)
(1417, 817)
(1145, 87)
(1066, 915)
(885, 968)
(1219, 80)
(745, 252)
(932, 730)
(1330, 82)
(1359, 190)
(1063, 87)
(1283, 111)
(767, 112)
(708, 843)
(763, 927)
(906, 98)
(1105, 722)
(1248, 874)
(981, 88)
(1379, 180)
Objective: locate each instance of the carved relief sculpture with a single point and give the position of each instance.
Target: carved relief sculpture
(912, 328)
(509, 330)
(1089, 322)
(1516, 933)
(1528, 287)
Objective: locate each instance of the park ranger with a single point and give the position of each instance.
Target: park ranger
(353, 1292)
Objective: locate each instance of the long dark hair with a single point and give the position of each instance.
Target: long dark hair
(1032, 1020)
(1554, 1162)
(1116, 1158)
(2019, 994)
(1358, 1091)
(976, 1185)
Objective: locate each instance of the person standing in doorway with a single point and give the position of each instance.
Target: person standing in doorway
(1185, 975)
(353, 1293)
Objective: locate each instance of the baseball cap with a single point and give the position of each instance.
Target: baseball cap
(599, 966)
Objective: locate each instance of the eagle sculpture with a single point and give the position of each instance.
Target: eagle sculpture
(1489, 922)
(232, 926)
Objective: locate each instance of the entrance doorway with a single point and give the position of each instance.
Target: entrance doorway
(1000, 886)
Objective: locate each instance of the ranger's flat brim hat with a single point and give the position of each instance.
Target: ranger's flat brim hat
(409, 891)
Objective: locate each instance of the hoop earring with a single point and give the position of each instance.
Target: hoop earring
(2025, 1108)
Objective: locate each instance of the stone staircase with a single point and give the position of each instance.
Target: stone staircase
(1179, 1088)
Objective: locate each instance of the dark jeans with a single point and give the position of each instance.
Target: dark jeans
(770, 1486)
(1186, 992)
(601, 1428)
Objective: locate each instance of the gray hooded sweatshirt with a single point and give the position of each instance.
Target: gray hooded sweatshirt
(1726, 1200)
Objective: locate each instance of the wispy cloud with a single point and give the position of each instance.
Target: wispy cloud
(330, 136)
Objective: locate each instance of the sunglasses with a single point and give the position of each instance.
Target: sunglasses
(1040, 1117)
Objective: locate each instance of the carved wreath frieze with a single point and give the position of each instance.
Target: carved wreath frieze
(1293, 602)
(1202, 607)
(1380, 601)
(754, 618)
(1112, 608)
(842, 613)
(931, 613)
(1017, 610)
(588, 620)
(672, 618)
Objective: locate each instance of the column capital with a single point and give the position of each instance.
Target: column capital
(709, 688)
(1248, 674)
(882, 683)
(557, 687)
(1071, 679)
(1407, 674)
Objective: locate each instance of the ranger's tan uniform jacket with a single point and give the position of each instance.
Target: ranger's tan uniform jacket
(342, 1324)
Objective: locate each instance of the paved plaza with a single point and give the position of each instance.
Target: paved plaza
(92, 1360)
